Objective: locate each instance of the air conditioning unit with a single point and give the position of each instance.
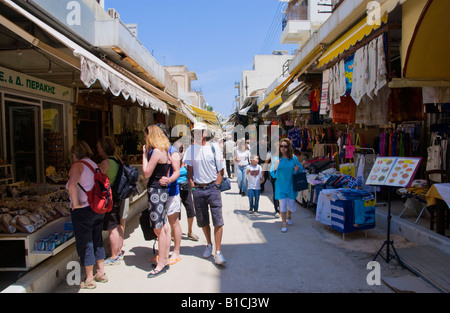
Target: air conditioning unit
(113, 13)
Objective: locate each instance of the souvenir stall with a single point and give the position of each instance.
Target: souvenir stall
(376, 123)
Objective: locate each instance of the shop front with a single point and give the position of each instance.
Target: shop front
(357, 107)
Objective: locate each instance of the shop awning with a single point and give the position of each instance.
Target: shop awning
(205, 115)
(288, 105)
(272, 100)
(187, 112)
(300, 68)
(425, 55)
(349, 39)
(93, 69)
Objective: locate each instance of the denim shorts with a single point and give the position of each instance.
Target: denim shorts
(205, 199)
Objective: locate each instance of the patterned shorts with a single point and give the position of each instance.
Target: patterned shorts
(157, 198)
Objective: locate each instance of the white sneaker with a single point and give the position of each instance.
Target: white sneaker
(219, 259)
(208, 251)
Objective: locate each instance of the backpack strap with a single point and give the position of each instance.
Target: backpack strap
(91, 168)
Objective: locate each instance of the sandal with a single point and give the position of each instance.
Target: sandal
(174, 261)
(157, 273)
(193, 237)
(88, 285)
(101, 279)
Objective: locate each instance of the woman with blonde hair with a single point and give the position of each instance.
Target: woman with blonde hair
(155, 165)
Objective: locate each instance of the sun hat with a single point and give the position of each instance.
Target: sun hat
(200, 126)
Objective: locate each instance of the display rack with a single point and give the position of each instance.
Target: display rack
(6, 174)
(18, 252)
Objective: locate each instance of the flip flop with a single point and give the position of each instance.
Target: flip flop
(193, 237)
(174, 261)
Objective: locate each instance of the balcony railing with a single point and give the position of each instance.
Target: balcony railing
(296, 10)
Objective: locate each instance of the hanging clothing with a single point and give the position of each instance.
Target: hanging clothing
(324, 100)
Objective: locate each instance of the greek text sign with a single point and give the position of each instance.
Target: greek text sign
(22, 82)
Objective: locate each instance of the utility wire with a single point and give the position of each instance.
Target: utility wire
(272, 29)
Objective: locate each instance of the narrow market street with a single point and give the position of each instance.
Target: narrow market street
(310, 257)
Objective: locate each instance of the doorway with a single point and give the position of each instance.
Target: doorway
(23, 136)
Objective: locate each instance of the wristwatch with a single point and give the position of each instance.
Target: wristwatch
(218, 185)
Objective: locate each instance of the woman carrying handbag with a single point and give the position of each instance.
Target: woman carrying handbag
(282, 169)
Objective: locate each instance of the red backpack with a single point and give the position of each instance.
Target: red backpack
(100, 196)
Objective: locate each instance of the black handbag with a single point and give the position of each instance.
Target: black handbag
(299, 181)
(144, 221)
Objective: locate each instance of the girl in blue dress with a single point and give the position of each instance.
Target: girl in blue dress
(282, 169)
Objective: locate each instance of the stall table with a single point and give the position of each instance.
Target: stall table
(439, 195)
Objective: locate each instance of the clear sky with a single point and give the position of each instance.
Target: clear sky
(217, 39)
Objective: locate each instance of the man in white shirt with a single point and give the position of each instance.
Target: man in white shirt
(205, 174)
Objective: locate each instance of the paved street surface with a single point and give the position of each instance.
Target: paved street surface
(310, 257)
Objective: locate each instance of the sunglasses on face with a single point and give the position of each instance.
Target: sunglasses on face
(284, 146)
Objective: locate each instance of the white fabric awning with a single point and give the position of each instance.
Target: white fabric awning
(244, 111)
(187, 112)
(93, 69)
(288, 106)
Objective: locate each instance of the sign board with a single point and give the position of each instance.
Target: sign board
(393, 171)
(75, 15)
(22, 82)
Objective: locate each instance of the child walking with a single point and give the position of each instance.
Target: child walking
(254, 178)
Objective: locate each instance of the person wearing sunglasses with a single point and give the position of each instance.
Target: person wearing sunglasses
(282, 169)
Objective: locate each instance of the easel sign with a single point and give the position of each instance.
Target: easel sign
(393, 171)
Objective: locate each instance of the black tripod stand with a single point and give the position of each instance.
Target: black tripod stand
(388, 242)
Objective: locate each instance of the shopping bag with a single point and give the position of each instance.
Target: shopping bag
(299, 181)
(349, 148)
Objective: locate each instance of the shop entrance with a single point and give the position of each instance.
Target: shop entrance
(24, 138)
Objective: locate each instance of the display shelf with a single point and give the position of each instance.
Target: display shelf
(6, 174)
(18, 249)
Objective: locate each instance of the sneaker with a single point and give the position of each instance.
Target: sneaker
(277, 214)
(208, 251)
(219, 259)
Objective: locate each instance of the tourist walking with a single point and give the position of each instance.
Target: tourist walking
(282, 169)
(266, 169)
(173, 205)
(228, 150)
(205, 174)
(110, 165)
(188, 202)
(242, 159)
(156, 165)
(255, 178)
(87, 225)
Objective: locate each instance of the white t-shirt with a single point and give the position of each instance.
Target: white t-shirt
(201, 159)
(254, 182)
(243, 157)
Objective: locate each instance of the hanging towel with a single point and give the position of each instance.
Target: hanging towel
(325, 92)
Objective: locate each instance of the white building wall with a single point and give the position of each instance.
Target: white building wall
(266, 68)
